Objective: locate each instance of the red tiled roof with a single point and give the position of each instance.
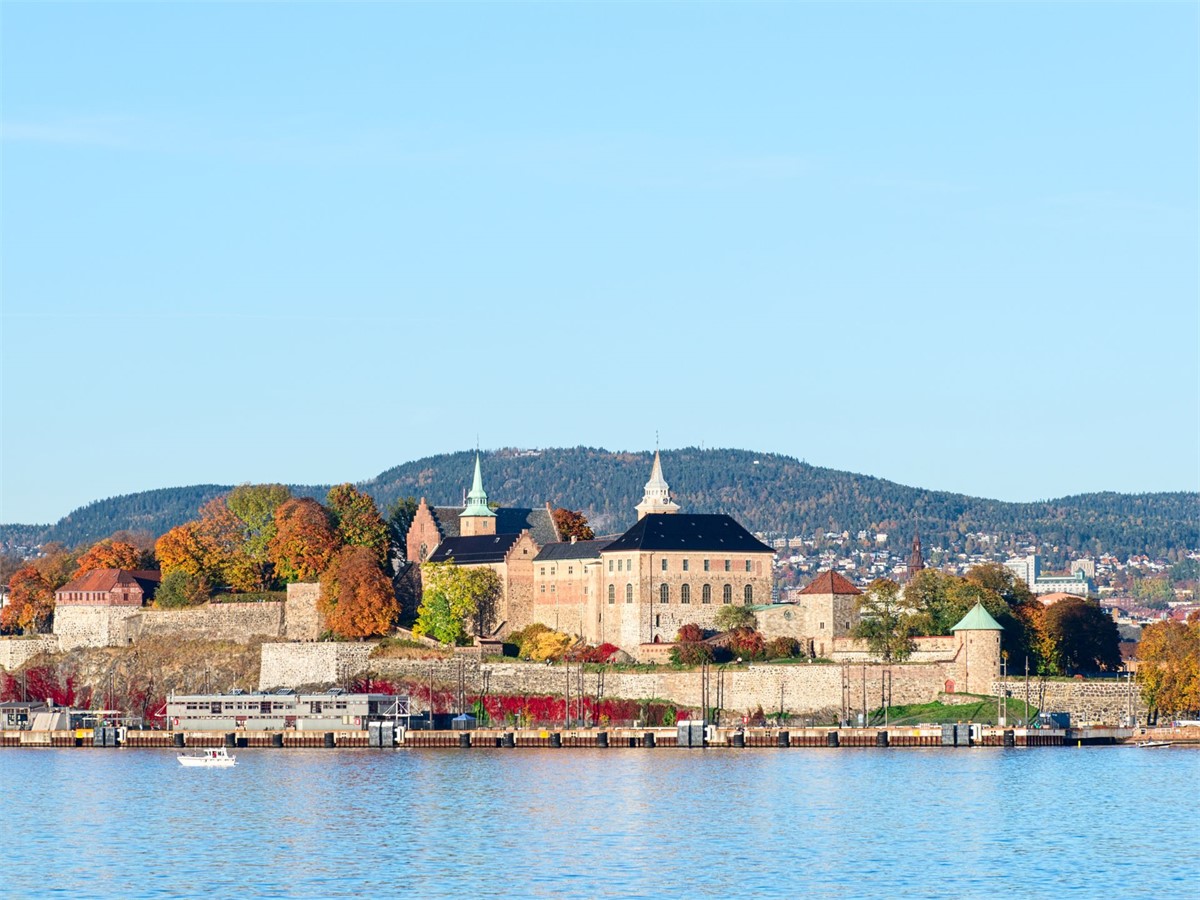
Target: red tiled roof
(831, 583)
(108, 579)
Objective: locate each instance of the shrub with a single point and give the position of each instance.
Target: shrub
(692, 653)
(179, 589)
(747, 643)
(585, 654)
(690, 634)
(546, 645)
(528, 633)
(782, 648)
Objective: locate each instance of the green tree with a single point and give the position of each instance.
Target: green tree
(399, 520)
(729, 618)
(1083, 637)
(180, 588)
(254, 505)
(883, 623)
(358, 520)
(455, 601)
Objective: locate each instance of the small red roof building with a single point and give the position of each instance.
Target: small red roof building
(109, 587)
(831, 583)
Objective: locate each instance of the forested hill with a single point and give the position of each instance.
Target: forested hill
(765, 491)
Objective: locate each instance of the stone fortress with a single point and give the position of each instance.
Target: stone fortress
(634, 590)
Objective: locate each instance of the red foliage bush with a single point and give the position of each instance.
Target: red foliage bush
(747, 643)
(690, 634)
(692, 653)
(782, 648)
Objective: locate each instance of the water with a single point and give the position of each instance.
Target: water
(604, 823)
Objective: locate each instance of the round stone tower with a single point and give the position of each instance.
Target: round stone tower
(978, 659)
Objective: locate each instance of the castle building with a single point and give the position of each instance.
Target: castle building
(668, 570)
(109, 587)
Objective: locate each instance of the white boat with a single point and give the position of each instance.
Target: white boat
(1154, 744)
(216, 759)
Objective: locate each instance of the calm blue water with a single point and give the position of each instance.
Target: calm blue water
(1117, 822)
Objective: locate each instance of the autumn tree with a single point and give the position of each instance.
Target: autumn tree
(1169, 667)
(304, 542)
(56, 564)
(1083, 636)
(109, 554)
(357, 519)
(883, 623)
(183, 549)
(572, 525)
(456, 601)
(254, 505)
(30, 607)
(356, 597)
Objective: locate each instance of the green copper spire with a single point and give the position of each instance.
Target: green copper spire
(477, 504)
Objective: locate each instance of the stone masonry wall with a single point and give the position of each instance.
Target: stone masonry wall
(325, 663)
(1086, 701)
(238, 622)
(94, 626)
(301, 618)
(15, 652)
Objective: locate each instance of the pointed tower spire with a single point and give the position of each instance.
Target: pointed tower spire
(477, 517)
(657, 496)
(916, 562)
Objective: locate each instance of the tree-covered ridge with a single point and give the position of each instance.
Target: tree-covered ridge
(765, 491)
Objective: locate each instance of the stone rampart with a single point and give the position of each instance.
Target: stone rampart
(302, 620)
(1087, 701)
(237, 622)
(323, 663)
(15, 652)
(94, 626)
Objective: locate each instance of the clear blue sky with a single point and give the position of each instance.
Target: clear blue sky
(951, 245)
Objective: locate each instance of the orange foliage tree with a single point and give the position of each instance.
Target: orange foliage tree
(56, 564)
(572, 524)
(109, 554)
(183, 549)
(358, 520)
(30, 606)
(356, 598)
(305, 540)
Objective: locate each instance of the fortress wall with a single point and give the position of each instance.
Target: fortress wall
(15, 652)
(237, 622)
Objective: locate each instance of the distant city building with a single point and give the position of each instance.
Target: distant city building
(916, 561)
(1086, 566)
(1029, 570)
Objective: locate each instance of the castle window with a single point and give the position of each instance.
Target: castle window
(570, 570)
(542, 571)
(685, 565)
(747, 565)
(629, 593)
(664, 564)
(749, 594)
(612, 594)
(610, 567)
(727, 565)
(706, 594)
(552, 588)
(664, 593)
(727, 594)
(620, 564)
(685, 594)
(706, 565)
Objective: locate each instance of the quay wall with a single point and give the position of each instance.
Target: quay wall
(801, 688)
(1086, 701)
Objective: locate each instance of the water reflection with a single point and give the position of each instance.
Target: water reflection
(615, 823)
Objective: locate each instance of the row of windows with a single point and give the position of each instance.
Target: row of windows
(622, 565)
(685, 594)
(554, 571)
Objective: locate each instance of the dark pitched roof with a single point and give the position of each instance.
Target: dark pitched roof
(684, 531)
(577, 550)
(110, 579)
(482, 548)
(831, 583)
(509, 520)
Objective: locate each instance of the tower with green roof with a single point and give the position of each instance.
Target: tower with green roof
(477, 517)
(977, 663)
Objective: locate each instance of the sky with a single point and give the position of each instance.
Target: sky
(952, 245)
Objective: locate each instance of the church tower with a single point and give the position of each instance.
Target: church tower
(657, 496)
(916, 562)
(476, 518)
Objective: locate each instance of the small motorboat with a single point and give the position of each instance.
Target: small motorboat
(1148, 744)
(216, 759)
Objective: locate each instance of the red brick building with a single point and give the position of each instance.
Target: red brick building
(109, 587)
